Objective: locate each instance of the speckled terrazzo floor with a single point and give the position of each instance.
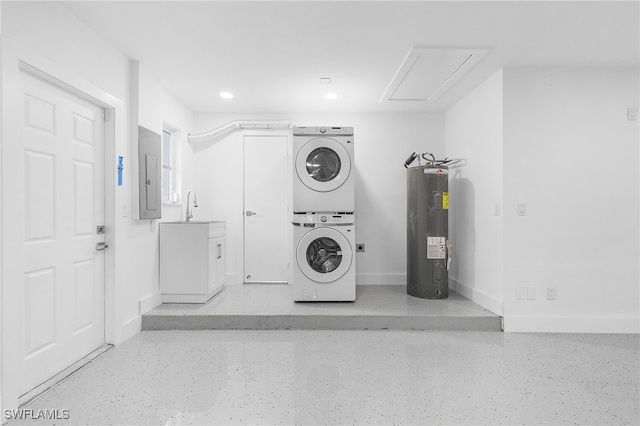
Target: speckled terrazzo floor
(270, 307)
(352, 377)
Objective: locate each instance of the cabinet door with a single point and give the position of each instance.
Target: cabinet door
(213, 265)
(221, 272)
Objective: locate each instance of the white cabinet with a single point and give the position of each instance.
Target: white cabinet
(217, 273)
(192, 257)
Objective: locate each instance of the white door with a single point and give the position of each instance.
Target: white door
(63, 272)
(265, 208)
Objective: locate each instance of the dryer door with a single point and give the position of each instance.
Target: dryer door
(324, 255)
(323, 164)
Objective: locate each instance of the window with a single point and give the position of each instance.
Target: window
(167, 181)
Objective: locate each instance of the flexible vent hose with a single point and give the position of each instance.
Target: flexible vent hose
(239, 124)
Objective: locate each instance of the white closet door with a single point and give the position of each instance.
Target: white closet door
(265, 204)
(63, 273)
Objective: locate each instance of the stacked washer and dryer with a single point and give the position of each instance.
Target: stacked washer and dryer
(323, 266)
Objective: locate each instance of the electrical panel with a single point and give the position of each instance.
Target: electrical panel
(149, 173)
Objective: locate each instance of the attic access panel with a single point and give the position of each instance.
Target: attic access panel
(426, 73)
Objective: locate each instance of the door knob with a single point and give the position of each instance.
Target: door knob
(250, 213)
(101, 246)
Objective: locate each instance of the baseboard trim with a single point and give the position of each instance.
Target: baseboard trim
(572, 325)
(477, 296)
(148, 303)
(131, 327)
(380, 279)
(231, 279)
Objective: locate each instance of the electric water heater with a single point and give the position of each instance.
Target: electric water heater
(427, 231)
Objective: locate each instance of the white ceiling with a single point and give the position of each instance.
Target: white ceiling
(272, 54)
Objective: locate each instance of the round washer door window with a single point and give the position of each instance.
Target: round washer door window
(323, 164)
(324, 255)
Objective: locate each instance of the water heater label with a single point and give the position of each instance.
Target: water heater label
(445, 201)
(436, 247)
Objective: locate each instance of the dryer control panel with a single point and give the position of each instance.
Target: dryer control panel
(315, 131)
(313, 219)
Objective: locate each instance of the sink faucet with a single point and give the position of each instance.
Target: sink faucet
(195, 204)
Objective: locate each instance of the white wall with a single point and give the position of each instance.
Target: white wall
(474, 133)
(572, 156)
(49, 29)
(382, 144)
(2, 387)
(557, 140)
(155, 109)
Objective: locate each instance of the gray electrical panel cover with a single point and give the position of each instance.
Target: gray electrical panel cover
(149, 173)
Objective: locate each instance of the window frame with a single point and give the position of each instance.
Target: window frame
(169, 166)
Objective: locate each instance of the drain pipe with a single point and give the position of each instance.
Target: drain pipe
(239, 124)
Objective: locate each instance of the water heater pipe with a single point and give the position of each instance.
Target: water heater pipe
(239, 124)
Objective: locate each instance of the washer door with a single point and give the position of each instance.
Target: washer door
(323, 164)
(324, 255)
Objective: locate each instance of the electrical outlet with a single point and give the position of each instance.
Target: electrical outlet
(551, 293)
(360, 247)
(496, 209)
(632, 114)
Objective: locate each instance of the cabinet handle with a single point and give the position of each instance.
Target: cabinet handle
(219, 251)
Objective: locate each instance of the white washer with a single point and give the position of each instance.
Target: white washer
(323, 178)
(324, 263)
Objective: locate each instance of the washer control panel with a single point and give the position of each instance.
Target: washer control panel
(312, 219)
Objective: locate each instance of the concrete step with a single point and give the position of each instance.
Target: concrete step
(269, 307)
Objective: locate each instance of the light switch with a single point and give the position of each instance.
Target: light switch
(496, 209)
(522, 209)
(531, 293)
(521, 293)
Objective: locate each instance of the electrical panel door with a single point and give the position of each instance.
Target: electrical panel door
(149, 172)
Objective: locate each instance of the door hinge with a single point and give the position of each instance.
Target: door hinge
(106, 116)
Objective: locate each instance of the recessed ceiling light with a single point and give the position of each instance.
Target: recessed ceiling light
(226, 95)
(325, 80)
(331, 95)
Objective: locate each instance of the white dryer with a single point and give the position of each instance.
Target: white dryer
(323, 178)
(324, 263)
